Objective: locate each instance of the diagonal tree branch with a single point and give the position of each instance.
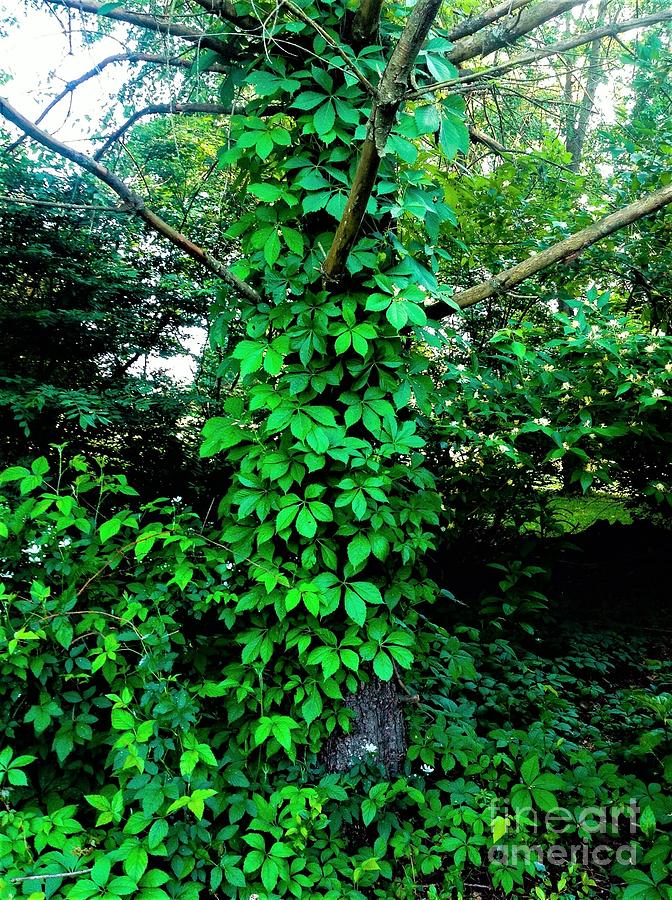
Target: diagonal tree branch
(517, 62)
(160, 24)
(132, 200)
(71, 86)
(486, 140)
(509, 278)
(487, 40)
(158, 109)
(390, 96)
(478, 22)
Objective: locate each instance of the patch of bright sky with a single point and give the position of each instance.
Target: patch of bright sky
(40, 57)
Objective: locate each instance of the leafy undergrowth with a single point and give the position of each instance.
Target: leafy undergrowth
(555, 760)
(146, 752)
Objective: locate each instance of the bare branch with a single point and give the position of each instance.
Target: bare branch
(158, 109)
(550, 50)
(133, 200)
(574, 244)
(54, 204)
(477, 23)
(161, 24)
(71, 86)
(482, 138)
(486, 41)
(390, 96)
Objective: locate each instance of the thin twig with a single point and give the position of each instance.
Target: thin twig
(52, 204)
(45, 876)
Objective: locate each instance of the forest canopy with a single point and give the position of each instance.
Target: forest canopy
(336, 450)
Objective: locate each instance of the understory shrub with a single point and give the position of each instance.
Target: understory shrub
(130, 764)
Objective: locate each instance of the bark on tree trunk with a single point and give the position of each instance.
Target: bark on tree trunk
(581, 119)
(378, 728)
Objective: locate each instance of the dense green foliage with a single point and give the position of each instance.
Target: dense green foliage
(183, 685)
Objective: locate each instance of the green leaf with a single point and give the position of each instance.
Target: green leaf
(355, 607)
(293, 239)
(305, 523)
(369, 811)
(122, 885)
(359, 550)
(264, 146)
(269, 874)
(530, 769)
(396, 314)
(109, 529)
(82, 890)
(13, 473)
(106, 8)
(40, 466)
(647, 822)
(367, 591)
(500, 826)
(188, 762)
(324, 118)
(545, 800)
(427, 119)
(350, 659)
(272, 248)
(286, 516)
(157, 833)
(100, 872)
(312, 708)
(382, 666)
(453, 137)
(266, 192)
(343, 342)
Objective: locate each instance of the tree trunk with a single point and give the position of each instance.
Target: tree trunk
(377, 729)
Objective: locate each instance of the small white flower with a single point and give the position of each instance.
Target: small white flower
(370, 748)
(566, 385)
(657, 393)
(426, 769)
(660, 487)
(650, 348)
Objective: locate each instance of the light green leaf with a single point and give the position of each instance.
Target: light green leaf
(305, 523)
(355, 607)
(382, 666)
